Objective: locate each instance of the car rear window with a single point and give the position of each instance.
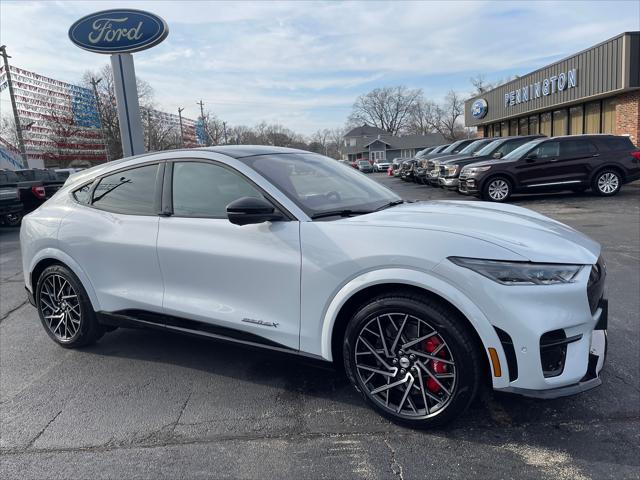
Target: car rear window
(577, 147)
(618, 143)
(7, 176)
(129, 191)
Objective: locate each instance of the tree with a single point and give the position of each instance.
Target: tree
(388, 108)
(424, 118)
(449, 114)
(321, 139)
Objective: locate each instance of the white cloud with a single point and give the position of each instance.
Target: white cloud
(303, 63)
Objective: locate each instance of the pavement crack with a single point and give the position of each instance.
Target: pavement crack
(6, 315)
(35, 439)
(182, 409)
(396, 468)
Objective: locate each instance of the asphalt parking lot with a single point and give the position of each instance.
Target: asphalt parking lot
(148, 404)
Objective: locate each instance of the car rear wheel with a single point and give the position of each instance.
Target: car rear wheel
(607, 183)
(497, 189)
(412, 360)
(65, 310)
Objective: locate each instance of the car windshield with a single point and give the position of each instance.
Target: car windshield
(319, 185)
(364, 162)
(474, 147)
(489, 148)
(522, 149)
(451, 147)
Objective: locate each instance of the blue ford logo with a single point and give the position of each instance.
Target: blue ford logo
(118, 31)
(479, 108)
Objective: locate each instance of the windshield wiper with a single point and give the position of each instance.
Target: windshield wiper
(340, 213)
(389, 205)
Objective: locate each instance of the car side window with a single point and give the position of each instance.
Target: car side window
(205, 189)
(129, 191)
(83, 194)
(509, 147)
(577, 147)
(547, 150)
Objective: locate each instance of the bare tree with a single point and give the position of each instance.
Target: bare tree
(450, 112)
(425, 118)
(388, 108)
(322, 139)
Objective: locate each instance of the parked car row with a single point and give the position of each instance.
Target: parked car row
(495, 168)
(22, 191)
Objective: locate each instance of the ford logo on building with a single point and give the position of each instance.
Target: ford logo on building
(118, 31)
(479, 108)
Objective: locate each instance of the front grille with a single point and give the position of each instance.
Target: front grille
(509, 352)
(595, 285)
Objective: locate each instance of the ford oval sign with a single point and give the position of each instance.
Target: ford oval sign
(479, 108)
(118, 31)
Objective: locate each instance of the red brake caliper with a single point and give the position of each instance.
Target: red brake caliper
(438, 367)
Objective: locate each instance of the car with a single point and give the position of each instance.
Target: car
(447, 175)
(272, 247)
(573, 162)
(36, 186)
(431, 176)
(64, 173)
(381, 165)
(10, 205)
(396, 166)
(364, 166)
(426, 161)
(407, 169)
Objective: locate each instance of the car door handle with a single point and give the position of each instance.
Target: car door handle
(553, 159)
(595, 155)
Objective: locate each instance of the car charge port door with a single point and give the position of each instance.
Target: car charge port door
(225, 279)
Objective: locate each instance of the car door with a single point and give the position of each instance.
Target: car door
(112, 232)
(576, 156)
(239, 281)
(537, 167)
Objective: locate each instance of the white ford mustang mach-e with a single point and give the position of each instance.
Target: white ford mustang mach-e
(420, 302)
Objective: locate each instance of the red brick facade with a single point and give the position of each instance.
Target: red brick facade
(628, 115)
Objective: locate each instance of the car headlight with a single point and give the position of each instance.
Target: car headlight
(475, 170)
(450, 169)
(520, 273)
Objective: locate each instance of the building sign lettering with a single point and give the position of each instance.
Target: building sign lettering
(548, 86)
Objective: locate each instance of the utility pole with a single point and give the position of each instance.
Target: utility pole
(181, 130)
(95, 83)
(16, 118)
(148, 129)
(207, 140)
(224, 131)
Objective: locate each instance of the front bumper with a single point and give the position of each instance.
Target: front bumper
(11, 208)
(448, 183)
(468, 186)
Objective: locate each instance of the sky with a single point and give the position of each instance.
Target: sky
(302, 64)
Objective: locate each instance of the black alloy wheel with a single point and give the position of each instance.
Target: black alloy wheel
(412, 359)
(65, 309)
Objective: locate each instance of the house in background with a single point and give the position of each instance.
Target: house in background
(375, 144)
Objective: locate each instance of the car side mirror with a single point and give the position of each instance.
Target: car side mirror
(532, 157)
(250, 210)
(497, 155)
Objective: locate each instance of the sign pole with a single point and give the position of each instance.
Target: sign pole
(124, 76)
(16, 117)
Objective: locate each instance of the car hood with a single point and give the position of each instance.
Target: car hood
(524, 232)
(464, 159)
(492, 162)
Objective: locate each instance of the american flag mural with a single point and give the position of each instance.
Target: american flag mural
(60, 120)
(170, 121)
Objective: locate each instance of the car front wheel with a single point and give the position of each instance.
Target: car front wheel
(497, 189)
(607, 183)
(65, 309)
(412, 360)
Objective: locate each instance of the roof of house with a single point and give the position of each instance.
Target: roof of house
(397, 142)
(365, 130)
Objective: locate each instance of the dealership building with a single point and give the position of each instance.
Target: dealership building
(594, 91)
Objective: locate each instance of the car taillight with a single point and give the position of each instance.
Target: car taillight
(636, 155)
(38, 191)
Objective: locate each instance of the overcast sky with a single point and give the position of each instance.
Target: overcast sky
(302, 64)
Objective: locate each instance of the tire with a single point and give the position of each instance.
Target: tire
(71, 321)
(607, 183)
(13, 219)
(497, 189)
(457, 357)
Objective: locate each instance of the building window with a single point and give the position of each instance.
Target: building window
(592, 118)
(504, 129)
(513, 127)
(352, 142)
(609, 116)
(533, 125)
(524, 126)
(576, 117)
(545, 124)
(560, 122)
(496, 129)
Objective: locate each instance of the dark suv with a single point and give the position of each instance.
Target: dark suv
(426, 161)
(600, 162)
(447, 170)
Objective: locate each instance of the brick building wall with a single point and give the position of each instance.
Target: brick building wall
(628, 115)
